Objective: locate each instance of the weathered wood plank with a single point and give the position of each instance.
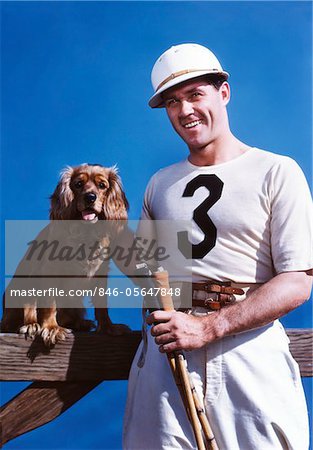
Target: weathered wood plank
(81, 357)
(38, 404)
(301, 347)
(91, 357)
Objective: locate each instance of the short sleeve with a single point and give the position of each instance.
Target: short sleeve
(291, 218)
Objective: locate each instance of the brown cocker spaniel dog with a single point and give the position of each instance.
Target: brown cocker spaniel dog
(88, 210)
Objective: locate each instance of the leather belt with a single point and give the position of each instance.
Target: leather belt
(217, 294)
(212, 295)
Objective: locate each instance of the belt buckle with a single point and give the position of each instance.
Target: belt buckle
(213, 303)
(215, 295)
(222, 299)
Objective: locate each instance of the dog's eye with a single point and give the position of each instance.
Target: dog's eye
(79, 184)
(102, 185)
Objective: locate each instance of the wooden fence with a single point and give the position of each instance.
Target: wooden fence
(64, 374)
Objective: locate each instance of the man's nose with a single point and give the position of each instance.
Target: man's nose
(186, 108)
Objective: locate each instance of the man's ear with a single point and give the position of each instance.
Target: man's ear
(225, 93)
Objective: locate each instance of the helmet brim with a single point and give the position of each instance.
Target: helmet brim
(156, 101)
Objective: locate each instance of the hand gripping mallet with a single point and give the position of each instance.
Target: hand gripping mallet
(186, 387)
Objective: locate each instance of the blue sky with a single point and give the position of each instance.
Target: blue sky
(74, 88)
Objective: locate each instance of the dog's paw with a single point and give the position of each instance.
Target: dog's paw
(30, 330)
(53, 334)
(114, 329)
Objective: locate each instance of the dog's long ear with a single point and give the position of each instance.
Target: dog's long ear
(62, 197)
(115, 204)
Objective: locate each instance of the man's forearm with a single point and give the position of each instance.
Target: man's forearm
(280, 295)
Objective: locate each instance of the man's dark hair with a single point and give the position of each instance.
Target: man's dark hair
(216, 80)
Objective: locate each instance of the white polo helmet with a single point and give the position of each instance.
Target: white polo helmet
(180, 63)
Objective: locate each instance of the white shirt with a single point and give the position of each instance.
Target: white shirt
(258, 205)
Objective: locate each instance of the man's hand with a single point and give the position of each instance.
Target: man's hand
(179, 331)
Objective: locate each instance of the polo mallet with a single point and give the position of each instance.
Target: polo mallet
(177, 361)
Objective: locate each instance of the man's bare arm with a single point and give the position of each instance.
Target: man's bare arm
(282, 294)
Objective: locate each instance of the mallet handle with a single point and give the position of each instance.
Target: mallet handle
(161, 280)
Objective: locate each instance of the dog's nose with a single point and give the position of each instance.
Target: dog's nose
(90, 197)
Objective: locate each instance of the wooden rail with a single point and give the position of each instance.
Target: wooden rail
(64, 374)
(81, 357)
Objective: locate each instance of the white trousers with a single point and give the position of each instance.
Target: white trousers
(250, 386)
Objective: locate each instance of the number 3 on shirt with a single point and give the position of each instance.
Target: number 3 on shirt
(200, 215)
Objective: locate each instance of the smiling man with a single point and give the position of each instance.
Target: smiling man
(252, 212)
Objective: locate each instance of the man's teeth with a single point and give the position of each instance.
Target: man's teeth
(193, 124)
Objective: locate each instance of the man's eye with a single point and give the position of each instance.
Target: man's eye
(196, 94)
(79, 184)
(170, 102)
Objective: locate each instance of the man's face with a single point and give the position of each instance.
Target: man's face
(197, 112)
